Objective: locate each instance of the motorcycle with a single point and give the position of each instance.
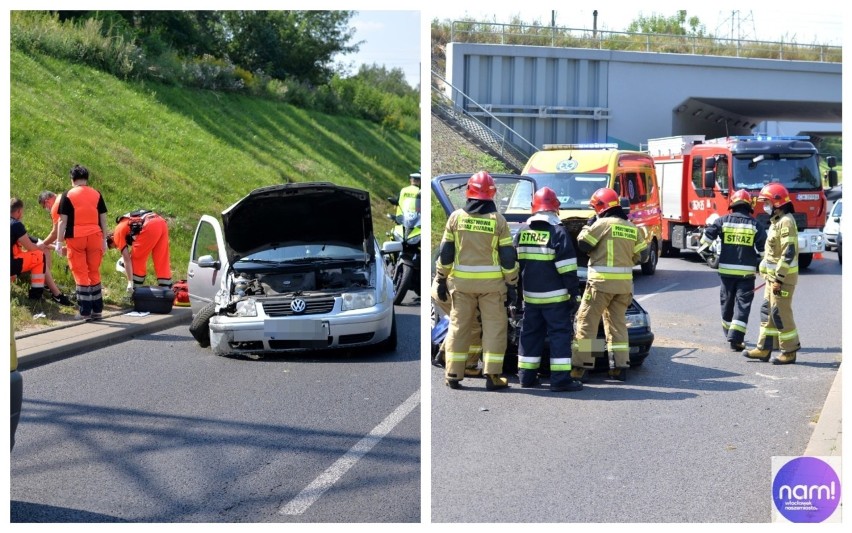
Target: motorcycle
(404, 267)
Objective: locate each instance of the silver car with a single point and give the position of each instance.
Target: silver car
(291, 267)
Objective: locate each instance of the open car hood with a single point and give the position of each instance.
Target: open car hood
(298, 212)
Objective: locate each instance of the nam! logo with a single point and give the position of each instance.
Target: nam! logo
(805, 489)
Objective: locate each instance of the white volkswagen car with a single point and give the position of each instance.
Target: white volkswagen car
(291, 267)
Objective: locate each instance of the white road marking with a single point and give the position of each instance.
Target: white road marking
(324, 481)
(664, 289)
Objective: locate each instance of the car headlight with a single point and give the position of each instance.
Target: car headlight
(245, 308)
(358, 300)
(638, 320)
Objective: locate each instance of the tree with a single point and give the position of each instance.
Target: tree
(289, 44)
(390, 81)
(674, 25)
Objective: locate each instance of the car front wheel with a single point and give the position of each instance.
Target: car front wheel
(200, 327)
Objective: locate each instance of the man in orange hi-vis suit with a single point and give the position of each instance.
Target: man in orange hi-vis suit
(82, 228)
(138, 235)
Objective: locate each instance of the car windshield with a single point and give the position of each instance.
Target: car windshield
(796, 172)
(306, 252)
(837, 209)
(573, 190)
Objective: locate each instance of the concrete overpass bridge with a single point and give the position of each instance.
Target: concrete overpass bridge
(567, 95)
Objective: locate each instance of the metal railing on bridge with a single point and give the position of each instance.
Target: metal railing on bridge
(555, 36)
(460, 110)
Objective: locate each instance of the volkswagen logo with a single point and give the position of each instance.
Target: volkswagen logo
(298, 305)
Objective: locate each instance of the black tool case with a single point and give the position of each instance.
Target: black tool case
(153, 300)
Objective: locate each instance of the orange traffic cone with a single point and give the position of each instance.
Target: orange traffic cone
(818, 255)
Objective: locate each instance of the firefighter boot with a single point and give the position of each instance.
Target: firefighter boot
(618, 374)
(757, 353)
(572, 385)
(786, 358)
(579, 374)
(453, 383)
(472, 372)
(737, 346)
(495, 382)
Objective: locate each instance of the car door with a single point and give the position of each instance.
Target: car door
(513, 198)
(203, 281)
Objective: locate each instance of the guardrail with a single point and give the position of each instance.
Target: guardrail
(463, 111)
(555, 36)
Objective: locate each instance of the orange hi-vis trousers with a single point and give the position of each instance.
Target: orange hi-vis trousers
(152, 241)
(85, 255)
(33, 262)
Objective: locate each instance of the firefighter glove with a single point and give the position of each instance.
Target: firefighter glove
(776, 288)
(592, 220)
(511, 295)
(441, 288)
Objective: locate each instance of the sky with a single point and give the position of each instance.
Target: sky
(390, 38)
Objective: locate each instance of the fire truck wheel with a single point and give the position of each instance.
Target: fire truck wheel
(650, 266)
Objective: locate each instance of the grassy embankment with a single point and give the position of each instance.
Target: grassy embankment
(180, 152)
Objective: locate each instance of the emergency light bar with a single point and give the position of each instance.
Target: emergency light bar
(760, 137)
(582, 146)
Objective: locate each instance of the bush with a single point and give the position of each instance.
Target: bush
(107, 43)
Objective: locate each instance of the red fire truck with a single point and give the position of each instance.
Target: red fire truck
(697, 176)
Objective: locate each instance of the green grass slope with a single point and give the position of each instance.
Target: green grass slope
(182, 153)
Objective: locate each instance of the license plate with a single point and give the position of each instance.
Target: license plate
(296, 329)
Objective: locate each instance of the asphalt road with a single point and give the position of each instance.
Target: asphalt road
(157, 429)
(688, 438)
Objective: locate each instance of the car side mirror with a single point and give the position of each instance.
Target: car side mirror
(207, 261)
(391, 247)
(837, 219)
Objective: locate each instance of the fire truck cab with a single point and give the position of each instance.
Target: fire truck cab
(697, 176)
(575, 171)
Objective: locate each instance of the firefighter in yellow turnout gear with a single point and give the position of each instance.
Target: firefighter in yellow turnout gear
(614, 245)
(477, 267)
(474, 353)
(780, 267)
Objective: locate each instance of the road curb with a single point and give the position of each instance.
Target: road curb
(62, 342)
(826, 440)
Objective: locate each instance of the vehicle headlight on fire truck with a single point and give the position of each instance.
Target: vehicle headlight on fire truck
(816, 240)
(358, 300)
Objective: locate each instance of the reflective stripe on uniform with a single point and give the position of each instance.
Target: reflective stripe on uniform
(559, 295)
(736, 270)
(488, 357)
(477, 271)
(607, 272)
(529, 363)
(768, 332)
(738, 325)
(455, 357)
(788, 335)
(566, 265)
(560, 364)
(536, 253)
